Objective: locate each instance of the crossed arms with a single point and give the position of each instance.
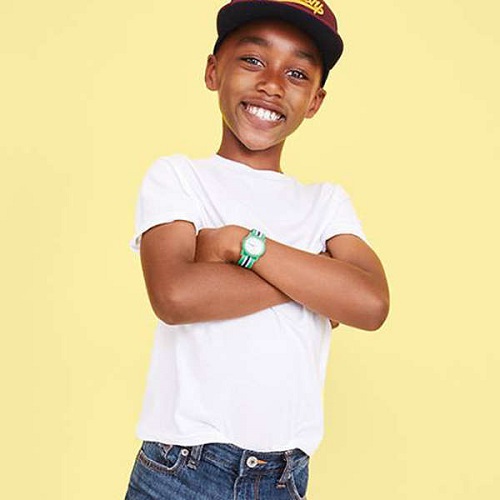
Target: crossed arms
(193, 278)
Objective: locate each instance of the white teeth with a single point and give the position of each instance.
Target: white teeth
(263, 114)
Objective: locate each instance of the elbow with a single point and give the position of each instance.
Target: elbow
(166, 318)
(165, 309)
(378, 312)
(368, 315)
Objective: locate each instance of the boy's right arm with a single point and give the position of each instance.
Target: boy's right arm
(223, 290)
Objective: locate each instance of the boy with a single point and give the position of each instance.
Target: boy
(247, 270)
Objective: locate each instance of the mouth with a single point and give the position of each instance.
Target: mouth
(263, 113)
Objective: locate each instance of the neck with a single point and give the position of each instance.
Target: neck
(268, 159)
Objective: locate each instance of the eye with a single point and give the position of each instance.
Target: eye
(295, 73)
(252, 61)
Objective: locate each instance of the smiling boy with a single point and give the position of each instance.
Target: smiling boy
(260, 113)
(247, 270)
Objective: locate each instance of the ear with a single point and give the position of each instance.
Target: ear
(316, 102)
(211, 80)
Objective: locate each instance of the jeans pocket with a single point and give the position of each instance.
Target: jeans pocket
(163, 458)
(297, 482)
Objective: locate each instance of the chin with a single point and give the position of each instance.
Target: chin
(257, 147)
(258, 144)
(251, 139)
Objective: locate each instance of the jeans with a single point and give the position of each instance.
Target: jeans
(217, 471)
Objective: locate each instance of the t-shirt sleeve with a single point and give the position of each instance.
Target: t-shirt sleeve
(342, 217)
(163, 197)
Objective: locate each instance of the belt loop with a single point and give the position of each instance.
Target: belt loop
(195, 456)
(287, 470)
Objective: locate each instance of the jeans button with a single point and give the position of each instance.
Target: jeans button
(251, 461)
(185, 452)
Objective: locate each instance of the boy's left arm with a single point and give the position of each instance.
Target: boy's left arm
(350, 287)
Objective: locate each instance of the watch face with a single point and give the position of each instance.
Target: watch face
(254, 246)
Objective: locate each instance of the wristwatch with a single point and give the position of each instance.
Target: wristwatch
(253, 247)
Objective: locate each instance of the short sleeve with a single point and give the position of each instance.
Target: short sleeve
(342, 217)
(164, 197)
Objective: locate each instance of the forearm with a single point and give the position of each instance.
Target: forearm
(331, 287)
(208, 291)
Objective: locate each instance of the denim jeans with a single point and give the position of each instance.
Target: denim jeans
(217, 471)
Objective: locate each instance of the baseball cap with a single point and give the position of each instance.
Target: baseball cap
(314, 17)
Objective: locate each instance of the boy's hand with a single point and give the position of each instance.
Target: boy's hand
(208, 246)
(221, 244)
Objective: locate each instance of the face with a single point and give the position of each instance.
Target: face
(267, 75)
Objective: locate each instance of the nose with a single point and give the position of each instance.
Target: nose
(270, 82)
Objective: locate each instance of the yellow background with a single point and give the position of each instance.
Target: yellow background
(93, 91)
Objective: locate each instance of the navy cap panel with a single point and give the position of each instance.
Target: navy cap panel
(237, 13)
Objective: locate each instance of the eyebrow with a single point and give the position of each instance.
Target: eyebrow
(257, 40)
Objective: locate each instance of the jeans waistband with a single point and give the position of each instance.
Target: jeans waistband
(245, 462)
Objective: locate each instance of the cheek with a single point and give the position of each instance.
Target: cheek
(223, 101)
(305, 104)
(227, 91)
(300, 111)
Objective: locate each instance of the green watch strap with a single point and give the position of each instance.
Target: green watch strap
(248, 260)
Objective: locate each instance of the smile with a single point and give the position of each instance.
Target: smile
(263, 113)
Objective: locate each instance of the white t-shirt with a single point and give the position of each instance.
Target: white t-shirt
(254, 381)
